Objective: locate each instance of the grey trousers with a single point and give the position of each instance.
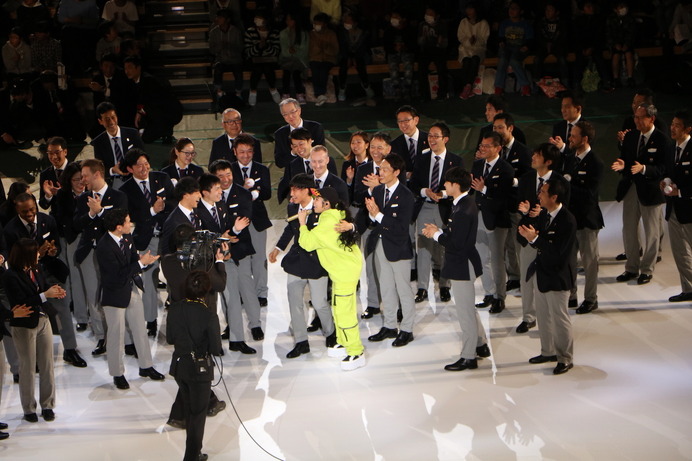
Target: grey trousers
(512, 248)
(259, 261)
(240, 283)
(587, 245)
(472, 331)
(90, 279)
(429, 252)
(493, 248)
(118, 319)
(373, 296)
(3, 367)
(150, 297)
(395, 286)
(681, 245)
(555, 327)
(74, 285)
(64, 317)
(527, 255)
(296, 305)
(35, 349)
(632, 212)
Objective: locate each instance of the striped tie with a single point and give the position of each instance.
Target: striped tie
(435, 178)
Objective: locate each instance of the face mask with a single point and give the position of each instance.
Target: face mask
(348, 26)
(259, 22)
(622, 11)
(318, 27)
(394, 22)
(430, 19)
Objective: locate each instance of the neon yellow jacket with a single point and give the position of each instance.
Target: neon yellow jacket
(342, 263)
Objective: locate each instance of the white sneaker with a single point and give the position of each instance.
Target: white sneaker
(352, 362)
(369, 93)
(337, 351)
(252, 99)
(275, 96)
(321, 99)
(342, 94)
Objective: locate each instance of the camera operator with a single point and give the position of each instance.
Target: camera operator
(193, 329)
(176, 266)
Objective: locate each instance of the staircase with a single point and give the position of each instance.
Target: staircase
(178, 49)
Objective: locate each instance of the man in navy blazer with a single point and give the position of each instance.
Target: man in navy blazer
(120, 267)
(553, 234)
(677, 188)
(461, 258)
(390, 208)
(319, 162)
(255, 178)
(291, 112)
(186, 193)
(222, 147)
(411, 143)
(111, 146)
(432, 205)
(150, 201)
(56, 151)
(642, 166)
(571, 108)
(88, 219)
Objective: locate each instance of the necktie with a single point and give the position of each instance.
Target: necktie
(308, 170)
(193, 219)
(411, 149)
(505, 151)
(58, 172)
(550, 220)
(32, 276)
(118, 151)
(318, 182)
(32, 230)
(97, 195)
(435, 177)
(540, 184)
(487, 170)
(642, 145)
(230, 143)
(386, 195)
(245, 172)
(223, 196)
(122, 245)
(145, 189)
(182, 172)
(377, 170)
(569, 131)
(678, 152)
(215, 215)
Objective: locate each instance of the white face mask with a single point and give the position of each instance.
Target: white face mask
(394, 22)
(622, 11)
(348, 26)
(259, 22)
(318, 27)
(430, 19)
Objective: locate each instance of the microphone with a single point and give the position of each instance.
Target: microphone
(295, 216)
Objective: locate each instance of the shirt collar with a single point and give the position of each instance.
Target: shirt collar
(63, 166)
(555, 212)
(323, 178)
(393, 188)
(307, 207)
(684, 143)
(442, 155)
(492, 162)
(185, 211)
(117, 135)
(26, 223)
(415, 136)
(648, 134)
(102, 191)
(207, 206)
(114, 237)
(463, 194)
(583, 154)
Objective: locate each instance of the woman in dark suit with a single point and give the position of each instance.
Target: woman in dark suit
(32, 335)
(359, 154)
(180, 163)
(193, 329)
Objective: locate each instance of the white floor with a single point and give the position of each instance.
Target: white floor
(628, 397)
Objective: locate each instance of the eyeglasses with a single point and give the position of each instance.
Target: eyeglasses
(286, 114)
(435, 136)
(54, 152)
(191, 153)
(405, 120)
(233, 122)
(486, 146)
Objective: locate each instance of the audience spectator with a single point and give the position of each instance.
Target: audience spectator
(515, 35)
(323, 51)
(123, 13)
(226, 44)
(79, 19)
(293, 58)
(30, 13)
(18, 124)
(16, 55)
(680, 29)
(587, 40)
(232, 5)
(56, 109)
(111, 84)
(551, 39)
(262, 49)
(46, 52)
(399, 39)
(354, 47)
(331, 8)
(473, 36)
(432, 47)
(620, 34)
(109, 43)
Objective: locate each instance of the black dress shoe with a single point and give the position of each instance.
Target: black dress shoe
(543, 359)
(160, 285)
(498, 306)
(573, 303)
(513, 285)
(680, 298)
(462, 364)
(152, 327)
(15, 379)
(151, 373)
(48, 414)
(31, 417)
(100, 348)
(562, 368)
(525, 326)
(487, 301)
(402, 339)
(658, 259)
(262, 301)
(130, 349)
(202, 457)
(399, 315)
(73, 357)
(240, 346)
(302, 347)
(445, 295)
(644, 279)
(483, 351)
(436, 274)
(414, 275)
(257, 333)
(120, 382)
(625, 276)
(315, 325)
(4, 435)
(369, 312)
(587, 306)
(421, 295)
(621, 257)
(218, 407)
(81, 326)
(177, 423)
(225, 334)
(330, 341)
(3, 426)
(383, 334)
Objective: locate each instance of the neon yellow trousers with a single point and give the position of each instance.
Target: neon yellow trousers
(345, 314)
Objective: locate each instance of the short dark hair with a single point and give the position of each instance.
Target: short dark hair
(197, 284)
(507, 118)
(303, 181)
(109, 57)
(133, 155)
(134, 60)
(182, 233)
(382, 136)
(23, 254)
(65, 178)
(104, 107)
(95, 166)
(407, 108)
(23, 197)
(549, 152)
(301, 134)
(114, 217)
(395, 161)
(186, 185)
(220, 164)
(586, 129)
(322, 17)
(577, 101)
(443, 128)
(207, 181)
(245, 139)
(685, 117)
(498, 102)
(497, 139)
(556, 187)
(458, 175)
(57, 141)
(647, 93)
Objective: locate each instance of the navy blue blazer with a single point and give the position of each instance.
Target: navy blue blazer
(681, 175)
(516, 132)
(119, 271)
(103, 149)
(263, 186)
(221, 149)
(459, 241)
(298, 262)
(282, 141)
(339, 185)
(585, 183)
(554, 265)
(192, 170)
(175, 218)
(400, 147)
(394, 228)
(21, 290)
(92, 229)
(297, 166)
(239, 204)
(420, 179)
(527, 191)
(360, 190)
(49, 174)
(653, 157)
(495, 204)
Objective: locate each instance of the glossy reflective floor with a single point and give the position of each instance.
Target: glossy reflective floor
(628, 396)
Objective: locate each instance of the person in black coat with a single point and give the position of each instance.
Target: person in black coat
(180, 162)
(411, 142)
(193, 329)
(291, 112)
(222, 147)
(56, 151)
(32, 336)
(496, 104)
(187, 194)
